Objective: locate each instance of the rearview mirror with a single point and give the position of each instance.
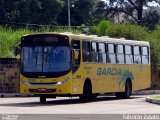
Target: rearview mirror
(17, 49)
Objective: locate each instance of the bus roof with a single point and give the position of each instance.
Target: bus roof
(96, 38)
(108, 39)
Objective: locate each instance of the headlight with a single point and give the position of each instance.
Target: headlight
(24, 82)
(64, 81)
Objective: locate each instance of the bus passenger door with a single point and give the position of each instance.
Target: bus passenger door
(76, 71)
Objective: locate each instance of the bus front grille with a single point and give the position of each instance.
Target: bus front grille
(53, 83)
(42, 91)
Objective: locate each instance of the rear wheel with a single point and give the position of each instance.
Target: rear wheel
(119, 95)
(87, 93)
(128, 89)
(42, 99)
(127, 93)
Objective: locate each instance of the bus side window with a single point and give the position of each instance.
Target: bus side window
(111, 54)
(86, 51)
(102, 52)
(94, 52)
(128, 54)
(120, 54)
(137, 55)
(145, 55)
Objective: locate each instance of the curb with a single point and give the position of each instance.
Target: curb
(151, 100)
(13, 95)
(146, 92)
(9, 94)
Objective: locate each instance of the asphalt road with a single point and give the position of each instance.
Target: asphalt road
(103, 105)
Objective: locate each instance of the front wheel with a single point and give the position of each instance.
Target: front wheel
(94, 96)
(42, 99)
(87, 93)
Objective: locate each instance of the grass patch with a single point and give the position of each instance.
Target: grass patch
(156, 97)
(9, 37)
(8, 40)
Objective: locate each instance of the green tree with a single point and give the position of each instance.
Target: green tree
(40, 11)
(100, 12)
(30, 11)
(8, 10)
(151, 19)
(101, 28)
(133, 9)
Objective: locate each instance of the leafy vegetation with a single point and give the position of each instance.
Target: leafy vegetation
(88, 12)
(129, 11)
(9, 37)
(46, 12)
(154, 39)
(100, 29)
(131, 32)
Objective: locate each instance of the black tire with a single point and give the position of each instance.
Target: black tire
(127, 93)
(42, 99)
(128, 89)
(94, 96)
(87, 93)
(119, 95)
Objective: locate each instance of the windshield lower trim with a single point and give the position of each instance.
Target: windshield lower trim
(45, 75)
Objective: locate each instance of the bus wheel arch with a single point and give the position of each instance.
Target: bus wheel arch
(88, 81)
(87, 91)
(127, 92)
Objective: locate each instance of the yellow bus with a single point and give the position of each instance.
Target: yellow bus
(66, 64)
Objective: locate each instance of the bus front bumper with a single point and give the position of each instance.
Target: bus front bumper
(59, 88)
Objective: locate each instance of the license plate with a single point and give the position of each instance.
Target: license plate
(42, 89)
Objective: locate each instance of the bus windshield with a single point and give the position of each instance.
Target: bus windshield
(45, 59)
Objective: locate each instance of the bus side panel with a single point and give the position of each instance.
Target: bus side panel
(142, 78)
(139, 75)
(88, 72)
(111, 78)
(78, 80)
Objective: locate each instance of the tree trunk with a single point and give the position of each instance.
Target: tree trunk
(140, 11)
